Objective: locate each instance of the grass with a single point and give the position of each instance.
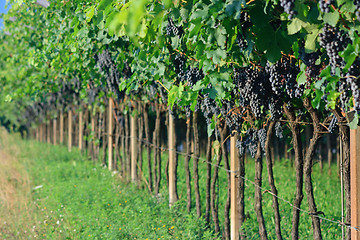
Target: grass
(81, 200)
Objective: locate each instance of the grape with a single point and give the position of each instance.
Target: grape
(333, 124)
(252, 85)
(251, 141)
(108, 67)
(242, 43)
(126, 70)
(192, 76)
(334, 41)
(241, 146)
(288, 6)
(206, 109)
(283, 75)
(278, 130)
(179, 63)
(245, 25)
(275, 108)
(233, 119)
(325, 5)
(245, 21)
(172, 30)
(312, 70)
(352, 79)
(187, 111)
(262, 138)
(357, 11)
(209, 106)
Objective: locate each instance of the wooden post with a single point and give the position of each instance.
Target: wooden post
(37, 133)
(54, 130)
(44, 132)
(48, 131)
(70, 130)
(172, 161)
(92, 142)
(41, 133)
(355, 181)
(61, 129)
(134, 146)
(110, 137)
(80, 130)
(234, 181)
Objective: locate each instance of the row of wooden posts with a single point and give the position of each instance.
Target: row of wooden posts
(43, 133)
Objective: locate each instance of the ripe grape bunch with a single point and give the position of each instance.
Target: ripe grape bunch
(352, 79)
(288, 6)
(245, 21)
(209, 106)
(325, 5)
(262, 138)
(172, 30)
(242, 43)
(345, 90)
(334, 41)
(251, 141)
(252, 85)
(232, 118)
(107, 65)
(192, 76)
(275, 107)
(179, 64)
(278, 130)
(283, 75)
(333, 124)
(245, 25)
(241, 146)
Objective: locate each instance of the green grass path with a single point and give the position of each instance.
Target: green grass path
(81, 200)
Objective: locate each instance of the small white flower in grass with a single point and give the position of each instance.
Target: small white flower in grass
(57, 222)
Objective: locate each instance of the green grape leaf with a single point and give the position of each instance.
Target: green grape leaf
(90, 13)
(332, 97)
(173, 93)
(349, 55)
(216, 55)
(310, 42)
(200, 13)
(331, 18)
(104, 4)
(234, 6)
(295, 26)
(220, 35)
